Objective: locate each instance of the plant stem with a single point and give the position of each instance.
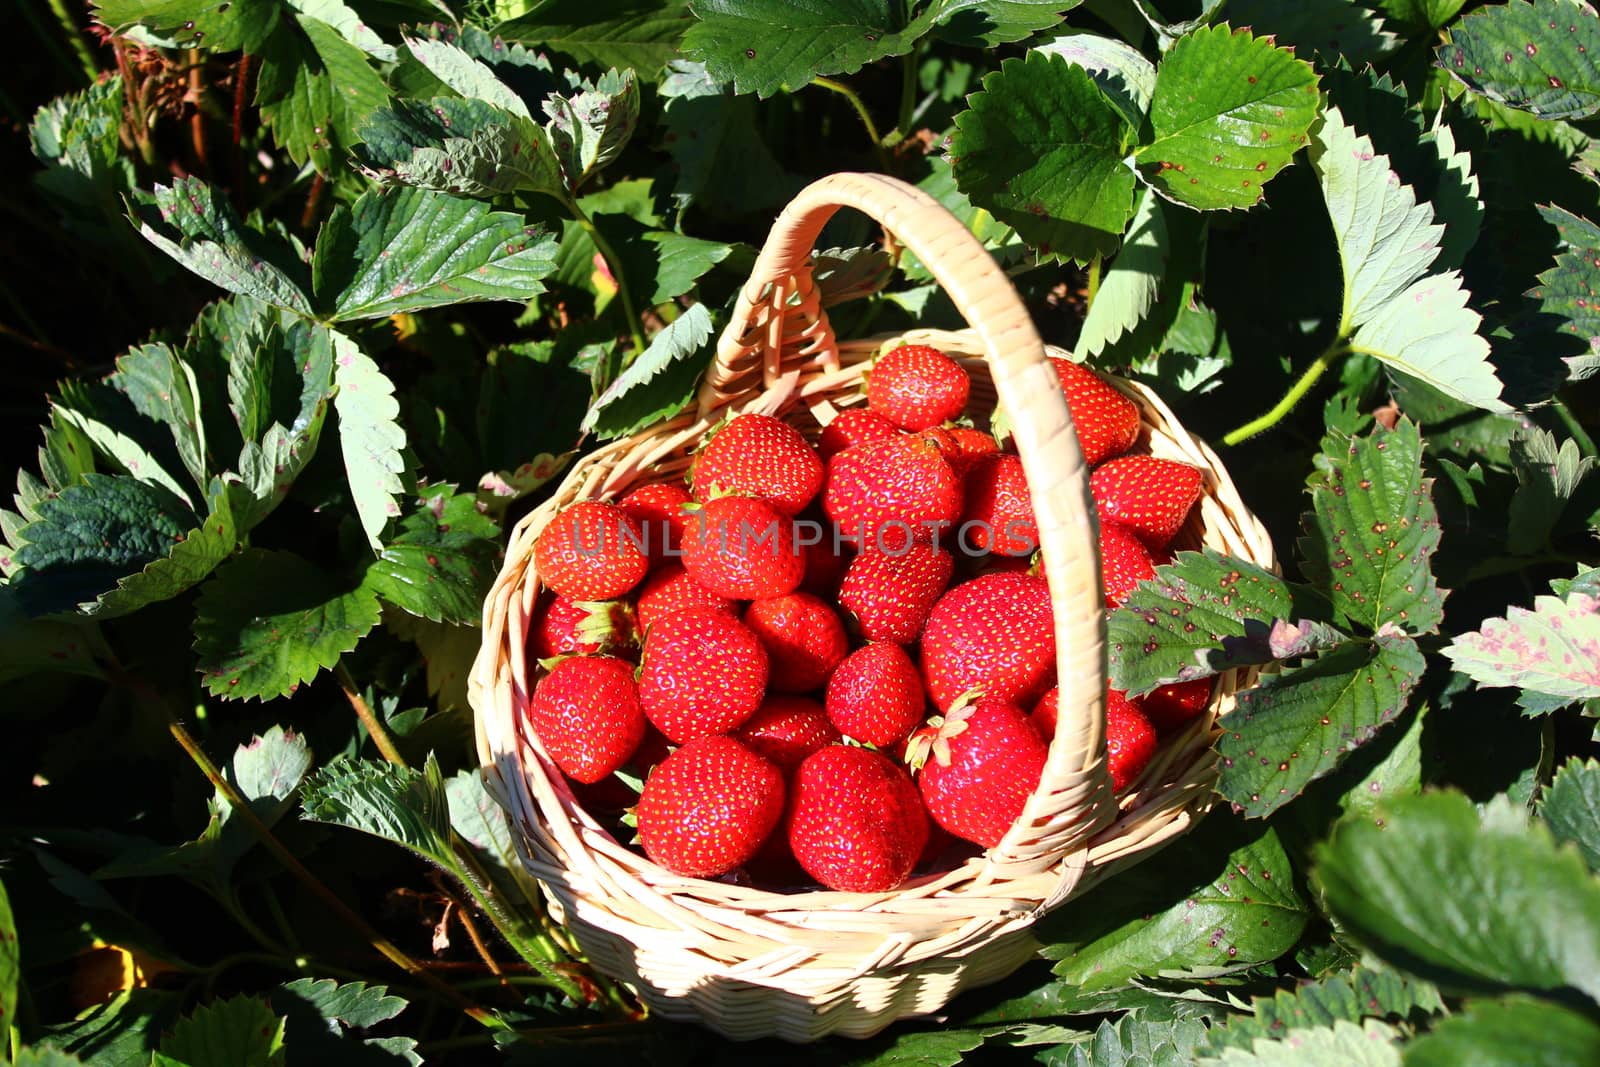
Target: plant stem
(1299, 389)
(862, 113)
(380, 736)
(80, 48)
(908, 92)
(197, 121)
(264, 833)
(1574, 427)
(1091, 286)
(614, 264)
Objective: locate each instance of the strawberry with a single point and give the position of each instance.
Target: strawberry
(707, 807)
(586, 713)
(890, 594)
(786, 730)
(580, 627)
(997, 512)
(994, 633)
(1107, 422)
(1150, 496)
(1124, 562)
(1130, 740)
(803, 637)
(590, 551)
(702, 673)
(886, 494)
(670, 588)
(1044, 714)
(758, 455)
(856, 822)
(915, 387)
(826, 561)
(1176, 704)
(854, 427)
(656, 510)
(875, 695)
(970, 446)
(742, 547)
(977, 766)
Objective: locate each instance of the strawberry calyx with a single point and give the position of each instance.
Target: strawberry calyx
(607, 623)
(933, 739)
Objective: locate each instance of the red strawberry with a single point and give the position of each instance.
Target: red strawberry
(656, 510)
(875, 695)
(886, 494)
(995, 634)
(971, 446)
(856, 822)
(803, 637)
(1107, 422)
(742, 547)
(786, 730)
(997, 512)
(581, 627)
(590, 551)
(826, 561)
(890, 594)
(1044, 714)
(1130, 740)
(854, 427)
(978, 766)
(586, 713)
(758, 455)
(915, 387)
(1176, 704)
(669, 588)
(707, 807)
(702, 673)
(1124, 562)
(1150, 496)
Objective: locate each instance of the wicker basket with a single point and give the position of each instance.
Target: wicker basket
(750, 963)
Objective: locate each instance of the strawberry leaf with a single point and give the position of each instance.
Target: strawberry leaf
(641, 34)
(1134, 1040)
(1552, 650)
(441, 560)
(659, 382)
(1565, 292)
(1548, 477)
(1129, 286)
(315, 87)
(987, 23)
(1343, 1044)
(589, 128)
(321, 1013)
(1571, 808)
(451, 145)
(1229, 112)
(270, 621)
(1416, 323)
(40, 645)
(399, 804)
(10, 959)
(722, 164)
(369, 435)
(1422, 14)
(1297, 725)
(1333, 28)
(1126, 77)
(468, 75)
(1514, 1030)
(241, 1031)
(1233, 905)
(1432, 885)
(1360, 994)
(1372, 531)
(221, 25)
(1198, 616)
(1041, 148)
(1538, 57)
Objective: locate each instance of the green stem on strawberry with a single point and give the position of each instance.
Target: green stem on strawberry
(861, 112)
(1296, 392)
(613, 264)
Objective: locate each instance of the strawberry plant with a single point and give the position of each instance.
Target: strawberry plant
(309, 303)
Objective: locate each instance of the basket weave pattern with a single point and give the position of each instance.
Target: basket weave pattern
(751, 963)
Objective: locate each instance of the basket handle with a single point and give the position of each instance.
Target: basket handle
(1026, 385)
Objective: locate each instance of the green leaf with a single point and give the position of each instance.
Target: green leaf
(1041, 148)
(399, 804)
(1548, 476)
(10, 961)
(162, 387)
(447, 650)
(440, 562)
(1456, 200)
(1418, 325)
(659, 382)
(117, 1033)
(987, 23)
(1172, 628)
(1133, 1041)
(1125, 76)
(39, 645)
(355, 1005)
(369, 435)
(845, 274)
(1554, 649)
(199, 230)
(1423, 14)
(1399, 771)
(589, 128)
(1340, 1045)
(1476, 903)
(1229, 112)
(1372, 531)
(1353, 997)
(220, 25)
(764, 46)
(1220, 899)
(1571, 808)
(1296, 726)
(472, 78)
(240, 1031)
(1565, 292)
(270, 621)
(451, 145)
(123, 450)
(723, 166)
(641, 34)
(480, 820)
(1129, 286)
(45, 1057)
(1536, 57)
(409, 249)
(1333, 28)
(1517, 1031)
(314, 90)
(321, 1014)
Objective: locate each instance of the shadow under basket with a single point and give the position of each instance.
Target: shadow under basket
(750, 963)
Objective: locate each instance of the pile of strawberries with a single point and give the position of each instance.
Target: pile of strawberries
(835, 664)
